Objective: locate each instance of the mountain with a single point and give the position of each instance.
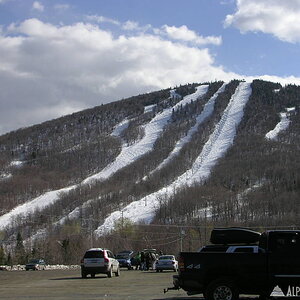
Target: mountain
(181, 160)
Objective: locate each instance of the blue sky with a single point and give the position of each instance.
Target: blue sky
(57, 57)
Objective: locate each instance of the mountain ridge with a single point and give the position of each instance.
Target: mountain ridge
(89, 203)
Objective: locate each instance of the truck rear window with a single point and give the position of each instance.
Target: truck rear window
(94, 254)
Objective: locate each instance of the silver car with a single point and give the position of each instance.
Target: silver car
(166, 262)
(99, 261)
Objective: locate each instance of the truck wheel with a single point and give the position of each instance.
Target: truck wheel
(221, 289)
(83, 274)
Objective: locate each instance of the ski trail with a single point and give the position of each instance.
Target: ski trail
(128, 155)
(120, 127)
(206, 112)
(153, 129)
(281, 126)
(220, 140)
(131, 153)
(37, 203)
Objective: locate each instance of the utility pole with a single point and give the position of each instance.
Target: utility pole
(182, 233)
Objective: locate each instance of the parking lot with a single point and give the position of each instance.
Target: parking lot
(68, 284)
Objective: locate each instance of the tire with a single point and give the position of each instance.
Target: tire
(93, 275)
(222, 289)
(110, 273)
(118, 272)
(83, 274)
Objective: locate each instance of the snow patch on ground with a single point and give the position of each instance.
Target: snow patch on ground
(4, 176)
(220, 140)
(281, 126)
(149, 108)
(174, 94)
(120, 127)
(16, 163)
(48, 267)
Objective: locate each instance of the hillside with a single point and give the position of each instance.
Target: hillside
(192, 157)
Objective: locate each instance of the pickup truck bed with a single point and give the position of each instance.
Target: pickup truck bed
(224, 275)
(198, 270)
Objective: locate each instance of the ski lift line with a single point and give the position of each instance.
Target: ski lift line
(153, 243)
(175, 241)
(176, 225)
(180, 226)
(148, 240)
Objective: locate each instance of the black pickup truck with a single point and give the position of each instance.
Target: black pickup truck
(218, 274)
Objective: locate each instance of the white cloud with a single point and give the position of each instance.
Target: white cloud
(47, 70)
(61, 7)
(277, 17)
(101, 19)
(134, 26)
(130, 25)
(38, 6)
(45, 66)
(184, 34)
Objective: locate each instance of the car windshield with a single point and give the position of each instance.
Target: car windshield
(94, 254)
(166, 257)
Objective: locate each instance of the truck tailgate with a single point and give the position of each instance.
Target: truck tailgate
(248, 269)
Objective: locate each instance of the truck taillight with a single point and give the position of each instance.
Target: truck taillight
(106, 260)
(81, 261)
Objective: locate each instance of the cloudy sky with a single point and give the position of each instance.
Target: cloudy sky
(57, 57)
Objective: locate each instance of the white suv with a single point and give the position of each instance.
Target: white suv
(98, 260)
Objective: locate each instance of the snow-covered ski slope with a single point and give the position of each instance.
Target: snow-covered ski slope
(128, 155)
(37, 203)
(282, 125)
(219, 141)
(207, 111)
(153, 129)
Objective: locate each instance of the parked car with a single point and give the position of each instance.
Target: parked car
(99, 261)
(166, 262)
(35, 264)
(125, 259)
